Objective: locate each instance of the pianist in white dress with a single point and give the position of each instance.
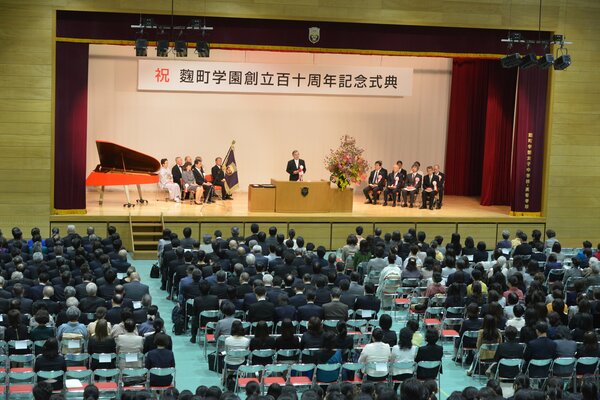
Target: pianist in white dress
(166, 181)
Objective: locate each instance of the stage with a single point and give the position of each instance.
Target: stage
(459, 214)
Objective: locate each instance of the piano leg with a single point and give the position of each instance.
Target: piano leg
(101, 195)
(140, 199)
(129, 203)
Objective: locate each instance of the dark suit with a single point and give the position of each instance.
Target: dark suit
(202, 303)
(394, 185)
(291, 167)
(176, 172)
(283, 312)
(218, 175)
(413, 179)
(540, 348)
(335, 310)
(441, 181)
(376, 178)
(428, 352)
(429, 191)
(309, 310)
(262, 310)
(298, 300)
(368, 302)
(201, 181)
(135, 290)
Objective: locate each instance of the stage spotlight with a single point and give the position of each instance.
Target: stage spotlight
(545, 61)
(203, 48)
(511, 60)
(181, 48)
(562, 62)
(162, 48)
(141, 47)
(528, 61)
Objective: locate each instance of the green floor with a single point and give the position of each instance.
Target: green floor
(192, 369)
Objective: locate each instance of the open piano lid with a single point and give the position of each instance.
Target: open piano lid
(114, 157)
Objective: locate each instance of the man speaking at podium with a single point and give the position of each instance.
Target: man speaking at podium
(296, 167)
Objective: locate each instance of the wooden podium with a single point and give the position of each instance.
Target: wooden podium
(299, 197)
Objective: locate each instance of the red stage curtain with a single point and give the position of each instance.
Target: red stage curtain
(478, 149)
(495, 184)
(466, 127)
(70, 125)
(528, 147)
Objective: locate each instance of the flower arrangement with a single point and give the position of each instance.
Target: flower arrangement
(346, 163)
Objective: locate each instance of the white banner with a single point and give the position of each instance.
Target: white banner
(228, 77)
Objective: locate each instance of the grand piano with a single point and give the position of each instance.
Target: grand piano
(121, 166)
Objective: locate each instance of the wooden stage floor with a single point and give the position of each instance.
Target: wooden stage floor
(455, 209)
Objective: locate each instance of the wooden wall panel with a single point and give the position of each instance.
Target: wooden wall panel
(340, 232)
(318, 233)
(391, 227)
(81, 228)
(282, 227)
(178, 227)
(485, 232)
(209, 228)
(432, 230)
(124, 231)
(26, 79)
(25, 224)
(512, 228)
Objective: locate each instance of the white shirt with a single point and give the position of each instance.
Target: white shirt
(377, 352)
(518, 323)
(403, 355)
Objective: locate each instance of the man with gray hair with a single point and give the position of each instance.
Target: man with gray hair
(120, 263)
(135, 290)
(4, 294)
(73, 326)
(91, 302)
(46, 302)
(258, 254)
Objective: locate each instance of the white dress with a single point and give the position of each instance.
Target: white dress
(166, 182)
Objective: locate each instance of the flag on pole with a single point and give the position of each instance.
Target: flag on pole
(230, 169)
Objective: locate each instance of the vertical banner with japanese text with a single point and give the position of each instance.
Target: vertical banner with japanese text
(229, 77)
(528, 142)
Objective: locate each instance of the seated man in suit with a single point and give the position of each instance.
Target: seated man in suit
(135, 290)
(541, 348)
(430, 186)
(177, 171)
(207, 187)
(368, 303)
(394, 184)
(204, 302)
(376, 183)
(441, 177)
(219, 177)
(412, 186)
(296, 167)
(310, 309)
(262, 310)
(335, 309)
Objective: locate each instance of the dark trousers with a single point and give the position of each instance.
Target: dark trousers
(369, 189)
(209, 190)
(440, 196)
(412, 195)
(395, 193)
(222, 186)
(427, 199)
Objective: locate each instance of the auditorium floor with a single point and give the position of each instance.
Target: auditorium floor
(455, 207)
(192, 369)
